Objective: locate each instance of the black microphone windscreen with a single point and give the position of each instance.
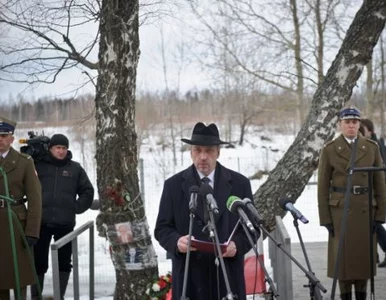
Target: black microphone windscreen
(283, 202)
(194, 189)
(205, 189)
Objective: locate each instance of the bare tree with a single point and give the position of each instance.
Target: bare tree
(43, 49)
(116, 143)
(383, 91)
(370, 89)
(40, 42)
(323, 16)
(293, 171)
(285, 51)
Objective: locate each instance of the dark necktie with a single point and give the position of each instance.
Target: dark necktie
(205, 180)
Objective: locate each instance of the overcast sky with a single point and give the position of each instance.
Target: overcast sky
(150, 69)
(175, 22)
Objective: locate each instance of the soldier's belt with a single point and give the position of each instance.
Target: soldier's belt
(3, 203)
(356, 189)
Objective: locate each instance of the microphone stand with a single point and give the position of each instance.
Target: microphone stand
(343, 223)
(312, 278)
(314, 293)
(187, 258)
(261, 262)
(214, 236)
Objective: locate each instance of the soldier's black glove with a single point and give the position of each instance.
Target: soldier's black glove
(376, 224)
(330, 229)
(31, 240)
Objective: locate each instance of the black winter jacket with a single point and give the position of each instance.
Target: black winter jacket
(62, 181)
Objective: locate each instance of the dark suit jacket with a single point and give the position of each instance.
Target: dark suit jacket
(173, 222)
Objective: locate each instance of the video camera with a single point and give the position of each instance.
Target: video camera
(37, 145)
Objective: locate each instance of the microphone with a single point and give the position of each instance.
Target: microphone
(287, 205)
(207, 192)
(236, 206)
(193, 191)
(255, 217)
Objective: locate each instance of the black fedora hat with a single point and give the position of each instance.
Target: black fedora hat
(203, 135)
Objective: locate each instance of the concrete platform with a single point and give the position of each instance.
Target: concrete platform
(317, 254)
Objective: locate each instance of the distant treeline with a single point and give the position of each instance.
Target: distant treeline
(49, 110)
(238, 108)
(154, 107)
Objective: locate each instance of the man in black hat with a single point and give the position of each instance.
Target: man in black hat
(67, 191)
(172, 224)
(23, 186)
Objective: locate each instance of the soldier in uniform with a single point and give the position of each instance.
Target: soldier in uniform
(332, 181)
(24, 186)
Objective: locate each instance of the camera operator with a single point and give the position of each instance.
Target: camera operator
(22, 181)
(62, 180)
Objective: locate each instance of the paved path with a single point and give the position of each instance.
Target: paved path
(317, 253)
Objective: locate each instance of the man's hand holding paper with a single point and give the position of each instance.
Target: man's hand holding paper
(182, 244)
(231, 250)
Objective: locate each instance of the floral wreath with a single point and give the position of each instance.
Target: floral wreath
(159, 288)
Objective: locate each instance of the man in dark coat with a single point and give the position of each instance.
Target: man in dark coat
(67, 191)
(368, 126)
(332, 181)
(22, 182)
(172, 225)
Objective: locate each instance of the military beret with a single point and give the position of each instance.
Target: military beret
(7, 126)
(349, 113)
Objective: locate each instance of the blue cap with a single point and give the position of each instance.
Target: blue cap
(350, 113)
(7, 126)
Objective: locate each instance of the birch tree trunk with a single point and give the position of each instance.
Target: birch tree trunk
(370, 90)
(116, 154)
(290, 176)
(382, 98)
(298, 62)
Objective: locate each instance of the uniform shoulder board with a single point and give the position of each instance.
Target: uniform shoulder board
(372, 141)
(328, 143)
(25, 155)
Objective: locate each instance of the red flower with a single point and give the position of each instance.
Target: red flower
(162, 284)
(163, 291)
(119, 201)
(115, 194)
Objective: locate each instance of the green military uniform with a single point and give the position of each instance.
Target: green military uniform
(332, 181)
(22, 182)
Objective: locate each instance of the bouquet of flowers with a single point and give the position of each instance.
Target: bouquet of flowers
(160, 288)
